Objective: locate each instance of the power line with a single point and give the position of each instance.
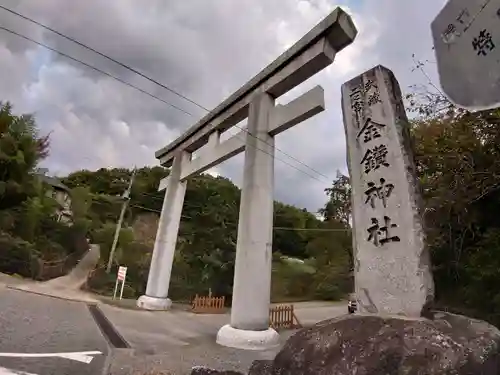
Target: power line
(275, 228)
(153, 81)
(312, 229)
(284, 153)
(103, 55)
(235, 224)
(158, 198)
(170, 104)
(153, 210)
(189, 206)
(93, 68)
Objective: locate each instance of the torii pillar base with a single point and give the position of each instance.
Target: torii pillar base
(247, 340)
(154, 303)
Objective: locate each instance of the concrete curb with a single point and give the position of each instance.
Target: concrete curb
(47, 294)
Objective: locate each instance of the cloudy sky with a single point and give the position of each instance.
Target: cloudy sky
(204, 49)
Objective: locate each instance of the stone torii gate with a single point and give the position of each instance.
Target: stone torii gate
(249, 326)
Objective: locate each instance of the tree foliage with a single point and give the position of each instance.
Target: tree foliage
(206, 243)
(338, 207)
(309, 254)
(28, 225)
(21, 149)
(457, 156)
(457, 160)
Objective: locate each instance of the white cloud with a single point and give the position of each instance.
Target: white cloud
(205, 50)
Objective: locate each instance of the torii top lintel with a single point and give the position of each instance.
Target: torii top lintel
(312, 53)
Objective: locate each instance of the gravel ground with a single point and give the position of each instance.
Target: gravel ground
(37, 324)
(179, 360)
(173, 342)
(11, 280)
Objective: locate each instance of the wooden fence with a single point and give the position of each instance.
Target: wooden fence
(283, 316)
(49, 269)
(46, 270)
(208, 305)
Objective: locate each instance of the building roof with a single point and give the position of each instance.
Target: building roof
(54, 182)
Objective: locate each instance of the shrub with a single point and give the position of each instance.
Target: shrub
(71, 238)
(17, 256)
(291, 280)
(103, 283)
(330, 284)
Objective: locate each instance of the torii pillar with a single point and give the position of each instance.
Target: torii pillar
(252, 273)
(156, 297)
(249, 325)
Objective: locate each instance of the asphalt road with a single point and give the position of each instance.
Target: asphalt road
(33, 324)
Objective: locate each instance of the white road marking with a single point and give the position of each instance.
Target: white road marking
(6, 371)
(85, 357)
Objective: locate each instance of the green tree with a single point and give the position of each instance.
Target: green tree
(331, 255)
(457, 159)
(21, 149)
(35, 210)
(338, 207)
(104, 237)
(206, 244)
(290, 242)
(81, 201)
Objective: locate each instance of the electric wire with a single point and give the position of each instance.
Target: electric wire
(149, 79)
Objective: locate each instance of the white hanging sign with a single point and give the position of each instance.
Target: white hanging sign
(122, 274)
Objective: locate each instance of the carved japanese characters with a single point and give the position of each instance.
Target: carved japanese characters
(466, 37)
(392, 270)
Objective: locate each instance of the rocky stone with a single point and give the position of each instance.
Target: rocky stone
(261, 367)
(392, 265)
(201, 370)
(375, 345)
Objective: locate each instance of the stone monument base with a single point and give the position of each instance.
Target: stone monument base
(377, 345)
(153, 303)
(249, 340)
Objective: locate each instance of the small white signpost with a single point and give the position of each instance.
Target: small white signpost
(466, 37)
(122, 273)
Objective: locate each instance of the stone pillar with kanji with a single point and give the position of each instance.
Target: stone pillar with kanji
(392, 265)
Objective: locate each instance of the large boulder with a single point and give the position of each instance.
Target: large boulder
(202, 370)
(261, 366)
(374, 345)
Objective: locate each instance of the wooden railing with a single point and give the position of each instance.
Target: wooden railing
(47, 270)
(208, 304)
(50, 269)
(283, 316)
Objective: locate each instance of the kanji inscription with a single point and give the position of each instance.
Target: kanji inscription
(369, 84)
(381, 192)
(464, 18)
(450, 30)
(370, 130)
(483, 43)
(357, 104)
(372, 92)
(374, 98)
(367, 93)
(381, 235)
(357, 100)
(375, 158)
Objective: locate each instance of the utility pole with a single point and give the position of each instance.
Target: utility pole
(126, 199)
